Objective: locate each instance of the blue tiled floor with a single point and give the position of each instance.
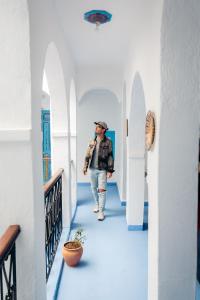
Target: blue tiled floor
(114, 262)
(198, 292)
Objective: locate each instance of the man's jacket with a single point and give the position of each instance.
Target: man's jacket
(105, 155)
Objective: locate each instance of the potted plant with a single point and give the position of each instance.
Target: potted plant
(73, 250)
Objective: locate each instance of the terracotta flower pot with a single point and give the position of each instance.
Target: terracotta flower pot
(72, 252)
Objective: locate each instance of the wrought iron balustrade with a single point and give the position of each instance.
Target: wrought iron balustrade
(8, 282)
(53, 217)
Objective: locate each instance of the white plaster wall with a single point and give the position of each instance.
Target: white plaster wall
(73, 146)
(45, 101)
(99, 105)
(16, 202)
(73, 143)
(144, 57)
(136, 155)
(15, 84)
(122, 188)
(23, 47)
(178, 153)
(59, 125)
(137, 115)
(73, 101)
(16, 192)
(99, 77)
(55, 78)
(44, 31)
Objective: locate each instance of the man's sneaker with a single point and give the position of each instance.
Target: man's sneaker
(96, 209)
(101, 216)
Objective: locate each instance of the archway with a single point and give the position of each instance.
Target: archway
(96, 105)
(136, 157)
(59, 124)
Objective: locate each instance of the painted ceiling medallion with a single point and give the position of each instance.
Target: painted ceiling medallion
(149, 130)
(97, 17)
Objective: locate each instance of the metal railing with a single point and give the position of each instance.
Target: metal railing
(53, 217)
(8, 282)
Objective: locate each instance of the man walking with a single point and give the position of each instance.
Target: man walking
(99, 159)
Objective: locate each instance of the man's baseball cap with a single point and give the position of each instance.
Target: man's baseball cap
(102, 124)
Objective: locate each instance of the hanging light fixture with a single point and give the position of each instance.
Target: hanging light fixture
(97, 17)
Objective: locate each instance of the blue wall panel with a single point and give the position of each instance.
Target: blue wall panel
(46, 144)
(111, 135)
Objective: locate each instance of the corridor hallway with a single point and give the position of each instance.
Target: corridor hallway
(66, 65)
(114, 261)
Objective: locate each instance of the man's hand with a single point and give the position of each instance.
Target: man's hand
(109, 175)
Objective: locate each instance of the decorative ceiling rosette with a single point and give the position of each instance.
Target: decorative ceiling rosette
(97, 17)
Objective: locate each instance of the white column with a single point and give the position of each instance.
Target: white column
(123, 193)
(21, 193)
(73, 170)
(135, 193)
(18, 206)
(178, 187)
(178, 152)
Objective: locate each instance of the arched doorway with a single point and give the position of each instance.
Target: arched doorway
(59, 124)
(46, 131)
(136, 157)
(96, 105)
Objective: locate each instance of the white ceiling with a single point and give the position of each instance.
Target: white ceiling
(107, 46)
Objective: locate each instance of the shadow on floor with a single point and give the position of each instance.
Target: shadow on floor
(75, 226)
(83, 201)
(83, 264)
(112, 213)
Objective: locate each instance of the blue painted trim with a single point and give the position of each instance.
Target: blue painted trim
(83, 183)
(197, 290)
(111, 135)
(53, 279)
(57, 286)
(145, 226)
(135, 227)
(123, 203)
(55, 295)
(73, 214)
